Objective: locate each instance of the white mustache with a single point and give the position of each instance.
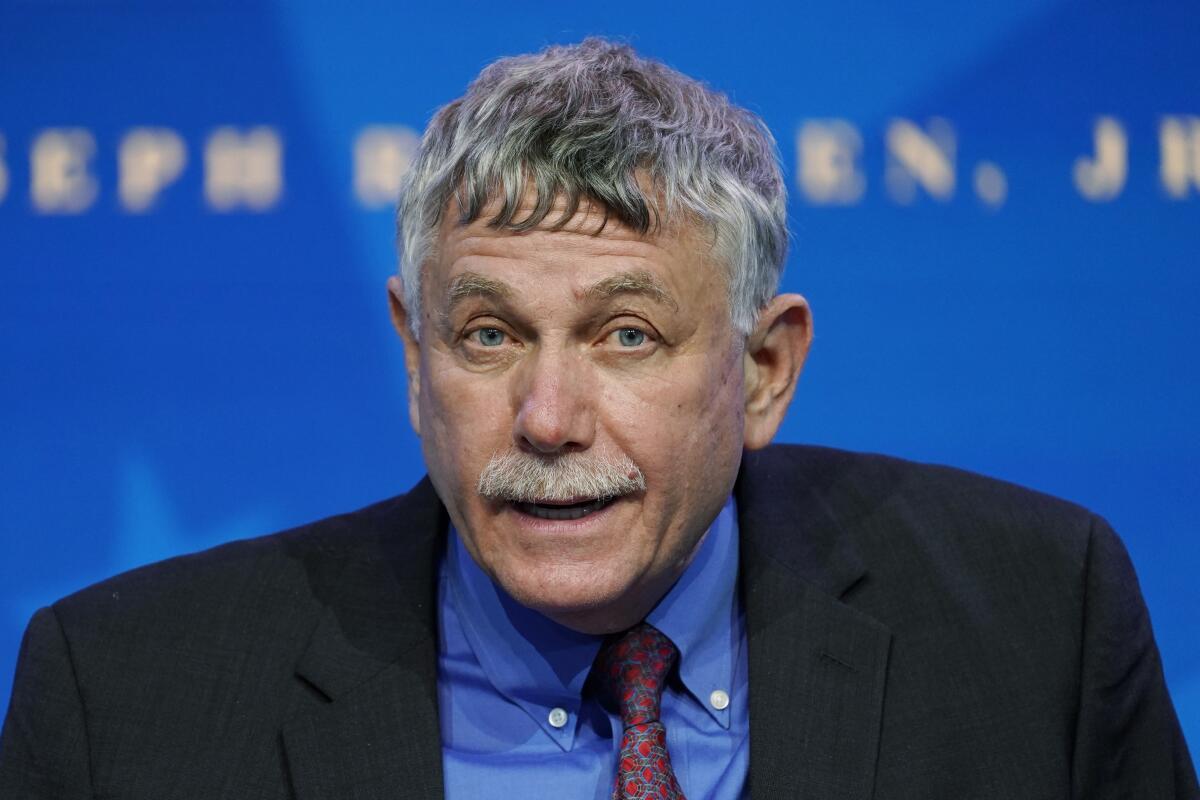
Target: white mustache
(519, 477)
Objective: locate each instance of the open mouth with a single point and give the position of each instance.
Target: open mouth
(558, 511)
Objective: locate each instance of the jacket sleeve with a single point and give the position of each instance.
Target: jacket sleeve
(44, 747)
(1128, 743)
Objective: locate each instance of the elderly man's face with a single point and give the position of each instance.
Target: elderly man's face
(545, 347)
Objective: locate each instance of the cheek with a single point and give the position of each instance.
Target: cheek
(464, 420)
(685, 425)
(715, 433)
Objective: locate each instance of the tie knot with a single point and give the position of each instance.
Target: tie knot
(633, 668)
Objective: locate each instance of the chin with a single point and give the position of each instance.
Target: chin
(580, 596)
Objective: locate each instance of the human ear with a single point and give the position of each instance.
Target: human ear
(412, 350)
(775, 353)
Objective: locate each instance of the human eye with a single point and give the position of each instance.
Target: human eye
(630, 337)
(488, 337)
(623, 337)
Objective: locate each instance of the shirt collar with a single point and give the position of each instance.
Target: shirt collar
(699, 615)
(541, 665)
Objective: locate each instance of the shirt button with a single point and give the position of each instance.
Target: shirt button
(558, 717)
(719, 700)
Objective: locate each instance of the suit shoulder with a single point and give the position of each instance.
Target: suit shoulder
(267, 573)
(932, 498)
(949, 553)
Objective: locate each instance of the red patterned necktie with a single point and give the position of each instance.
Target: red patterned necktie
(633, 669)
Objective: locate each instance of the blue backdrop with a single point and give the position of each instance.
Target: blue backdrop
(996, 209)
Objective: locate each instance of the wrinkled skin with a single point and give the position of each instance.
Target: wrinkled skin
(523, 345)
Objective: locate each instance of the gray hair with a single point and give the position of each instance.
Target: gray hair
(580, 123)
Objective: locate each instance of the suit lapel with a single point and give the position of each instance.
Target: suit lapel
(372, 661)
(817, 666)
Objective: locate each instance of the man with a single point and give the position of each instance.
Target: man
(609, 585)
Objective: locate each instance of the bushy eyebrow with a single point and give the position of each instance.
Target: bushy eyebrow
(641, 282)
(472, 284)
(635, 282)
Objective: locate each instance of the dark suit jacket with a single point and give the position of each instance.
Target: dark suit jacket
(914, 632)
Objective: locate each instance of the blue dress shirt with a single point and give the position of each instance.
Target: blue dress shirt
(516, 721)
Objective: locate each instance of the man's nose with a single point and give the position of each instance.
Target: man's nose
(554, 396)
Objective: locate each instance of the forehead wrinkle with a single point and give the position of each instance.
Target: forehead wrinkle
(631, 282)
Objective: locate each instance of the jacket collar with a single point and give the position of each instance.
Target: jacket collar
(372, 658)
(817, 666)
